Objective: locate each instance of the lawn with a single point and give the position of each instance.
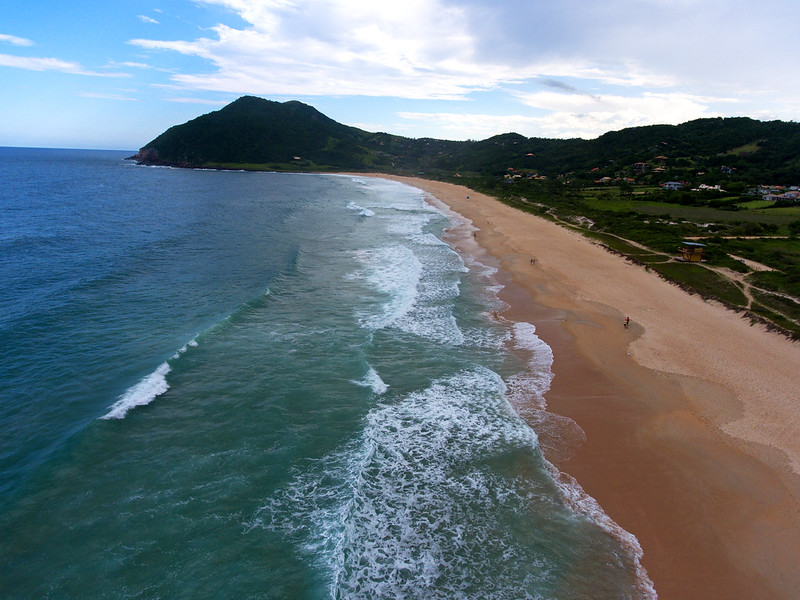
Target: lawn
(753, 204)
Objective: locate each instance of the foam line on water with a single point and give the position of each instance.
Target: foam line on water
(410, 508)
(395, 271)
(583, 504)
(526, 392)
(146, 389)
(530, 386)
(364, 212)
(373, 381)
(421, 282)
(142, 393)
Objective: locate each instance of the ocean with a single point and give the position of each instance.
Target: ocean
(268, 385)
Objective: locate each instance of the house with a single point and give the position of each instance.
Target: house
(785, 199)
(672, 185)
(704, 187)
(691, 251)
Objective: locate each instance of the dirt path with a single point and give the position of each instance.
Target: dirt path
(740, 280)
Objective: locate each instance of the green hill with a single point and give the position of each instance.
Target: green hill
(261, 134)
(256, 131)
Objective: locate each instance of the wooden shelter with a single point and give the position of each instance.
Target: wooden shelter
(692, 251)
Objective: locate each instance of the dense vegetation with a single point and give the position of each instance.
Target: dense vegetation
(257, 133)
(609, 187)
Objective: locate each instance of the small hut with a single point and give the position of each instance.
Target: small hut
(692, 251)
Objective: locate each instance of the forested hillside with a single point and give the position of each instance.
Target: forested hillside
(261, 134)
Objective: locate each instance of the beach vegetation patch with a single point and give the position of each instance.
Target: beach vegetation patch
(779, 309)
(704, 281)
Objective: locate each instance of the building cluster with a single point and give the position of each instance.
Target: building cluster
(780, 195)
(516, 174)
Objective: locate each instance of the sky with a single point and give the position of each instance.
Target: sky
(113, 75)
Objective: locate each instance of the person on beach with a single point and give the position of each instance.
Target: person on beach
(627, 322)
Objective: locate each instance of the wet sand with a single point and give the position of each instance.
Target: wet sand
(691, 415)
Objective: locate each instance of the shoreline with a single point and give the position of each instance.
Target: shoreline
(691, 415)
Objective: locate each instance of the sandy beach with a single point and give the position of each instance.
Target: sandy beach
(691, 415)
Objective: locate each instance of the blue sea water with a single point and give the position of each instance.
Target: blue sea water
(262, 385)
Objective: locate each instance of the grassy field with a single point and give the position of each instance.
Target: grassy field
(753, 204)
(624, 219)
(781, 216)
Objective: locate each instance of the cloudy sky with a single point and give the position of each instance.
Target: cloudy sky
(110, 74)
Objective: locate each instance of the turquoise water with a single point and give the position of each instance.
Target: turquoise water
(260, 385)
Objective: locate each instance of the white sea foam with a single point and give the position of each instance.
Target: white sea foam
(364, 212)
(486, 338)
(146, 389)
(437, 491)
(583, 504)
(421, 295)
(395, 271)
(442, 485)
(421, 277)
(373, 381)
(411, 508)
(436, 323)
(526, 392)
(405, 224)
(528, 387)
(144, 392)
(190, 344)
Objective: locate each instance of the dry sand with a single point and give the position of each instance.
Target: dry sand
(691, 415)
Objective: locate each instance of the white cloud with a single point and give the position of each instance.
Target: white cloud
(575, 115)
(31, 63)
(647, 108)
(418, 49)
(14, 40)
(39, 64)
(146, 19)
(132, 65)
(476, 126)
(636, 61)
(107, 96)
(414, 49)
(198, 101)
